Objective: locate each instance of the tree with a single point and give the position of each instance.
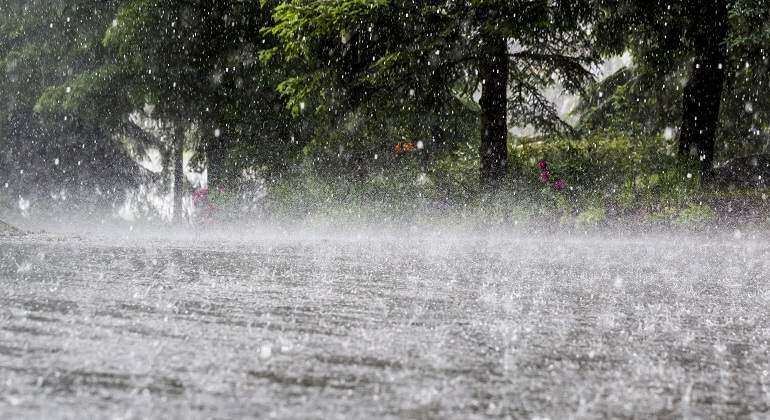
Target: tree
(745, 122)
(161, 49)
(375, 51)
(194, 65)
(702, 95)
(69, 157)
(715, 46)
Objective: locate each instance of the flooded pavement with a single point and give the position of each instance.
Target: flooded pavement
(402, 326)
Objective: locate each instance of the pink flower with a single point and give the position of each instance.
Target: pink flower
(545, 176)
(200, 195)
(543, 165)
(559, 184)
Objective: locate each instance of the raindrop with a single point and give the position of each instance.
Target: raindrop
(265, 351)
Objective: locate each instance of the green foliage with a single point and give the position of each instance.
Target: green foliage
(457, 173)
(645, 98)
(312, 94)
(192, 64)
(69, 156)
(590, 217)
(422, 58)
(695, 215)
(620, 174)
(595, 162)
(91, 96)
(746, 110)
(607, 179)
(633, 102)
(399, 194)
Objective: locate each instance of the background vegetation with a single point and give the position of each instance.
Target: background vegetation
(354, 107)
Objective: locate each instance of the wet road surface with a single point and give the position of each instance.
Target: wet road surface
(406, 326)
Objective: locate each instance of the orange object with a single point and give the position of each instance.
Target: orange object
(406, 147)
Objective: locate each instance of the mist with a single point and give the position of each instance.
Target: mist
(384, 209)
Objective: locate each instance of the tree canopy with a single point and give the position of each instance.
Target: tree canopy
(425, 56)
(274, 87)
(673, 41)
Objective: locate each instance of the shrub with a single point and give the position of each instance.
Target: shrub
(695, 215)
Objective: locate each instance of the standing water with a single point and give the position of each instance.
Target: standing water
(388, 325)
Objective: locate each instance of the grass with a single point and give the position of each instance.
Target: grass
(609, 181)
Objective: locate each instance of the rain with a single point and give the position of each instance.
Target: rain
(384, 209)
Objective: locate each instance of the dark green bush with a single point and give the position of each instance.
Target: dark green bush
(606, 178)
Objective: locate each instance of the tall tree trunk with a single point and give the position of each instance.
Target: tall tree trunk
(703, 92)
(493, 69)
(216, 149)
(178, 170)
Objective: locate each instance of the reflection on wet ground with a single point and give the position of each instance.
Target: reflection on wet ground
(585, 327)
